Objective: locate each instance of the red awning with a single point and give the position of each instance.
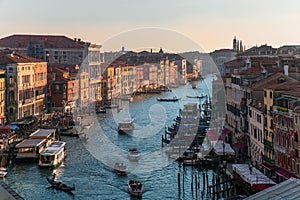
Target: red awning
(239, 145)
(284, 174)
(226, 131)
(2, 117)
(5, 128)
(212, 135)
(261, 187)
(267, 166)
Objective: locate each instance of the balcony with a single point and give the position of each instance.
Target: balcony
(268, 160)
(281, 149)
(268, 143)
(41, 96)
(282, 111)
(284, 128)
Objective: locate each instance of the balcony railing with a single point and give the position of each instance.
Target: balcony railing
(284, 128)
(282, 111)
(281, 149)
(41, 96)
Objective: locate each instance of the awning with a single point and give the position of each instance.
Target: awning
(267, 166)
(284, 174)
(212, 135)
(2, 117)
(226, 131)
(239, 145)
(261, 187)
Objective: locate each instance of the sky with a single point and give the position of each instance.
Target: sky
(210, 24)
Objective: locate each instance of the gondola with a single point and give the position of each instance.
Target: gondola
(60, 186)
(168, 100)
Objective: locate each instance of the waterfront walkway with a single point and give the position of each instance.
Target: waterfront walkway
(6, 193)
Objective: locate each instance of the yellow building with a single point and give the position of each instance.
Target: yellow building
(26, 79)
(272, 92)
(2, 97)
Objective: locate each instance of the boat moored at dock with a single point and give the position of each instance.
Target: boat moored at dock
(53, 155)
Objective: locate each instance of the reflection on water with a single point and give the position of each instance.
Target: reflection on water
(95, 180)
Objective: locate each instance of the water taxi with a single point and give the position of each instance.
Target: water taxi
(125, 126)
(120, 168)
(133, 155)
(53, 155)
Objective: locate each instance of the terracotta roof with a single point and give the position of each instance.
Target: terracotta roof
(288, 85)
(295, 92)
(270, 80)
(9, 56)
(238, 62)
(49, 41)
(251, 70)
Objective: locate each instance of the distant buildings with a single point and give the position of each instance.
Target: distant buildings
(26, 80)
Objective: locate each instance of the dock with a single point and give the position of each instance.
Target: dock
(6, 193)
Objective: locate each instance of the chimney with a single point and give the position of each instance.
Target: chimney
(79, 40)
(75, 39)
(286, 69)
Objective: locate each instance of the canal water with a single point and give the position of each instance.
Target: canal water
(89, 161)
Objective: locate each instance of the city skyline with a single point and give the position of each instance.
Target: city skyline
(212, 25)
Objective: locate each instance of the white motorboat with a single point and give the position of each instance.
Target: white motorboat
(3, 172)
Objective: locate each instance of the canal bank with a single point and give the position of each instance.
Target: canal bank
(6, 193)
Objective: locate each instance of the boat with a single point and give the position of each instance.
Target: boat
(135, 188)
(125, 126)
(168, 99)
(100, 110)
(53, 155)
(120, 168)
(70, 133)
(87, 126)
(60, 186)
(3, 172)
(198, 97)
(133, 154)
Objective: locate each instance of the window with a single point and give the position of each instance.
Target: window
(265, 93)
(296, 137)
(271, 94)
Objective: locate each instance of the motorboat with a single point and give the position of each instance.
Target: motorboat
(133, 154)
(3, 172)
(135, 188)
(120, 168)
(125, 126)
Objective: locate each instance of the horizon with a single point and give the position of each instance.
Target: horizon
(211, 25)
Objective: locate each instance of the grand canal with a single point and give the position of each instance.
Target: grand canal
(87, 165)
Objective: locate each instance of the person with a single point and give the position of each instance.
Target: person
(53, 176)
